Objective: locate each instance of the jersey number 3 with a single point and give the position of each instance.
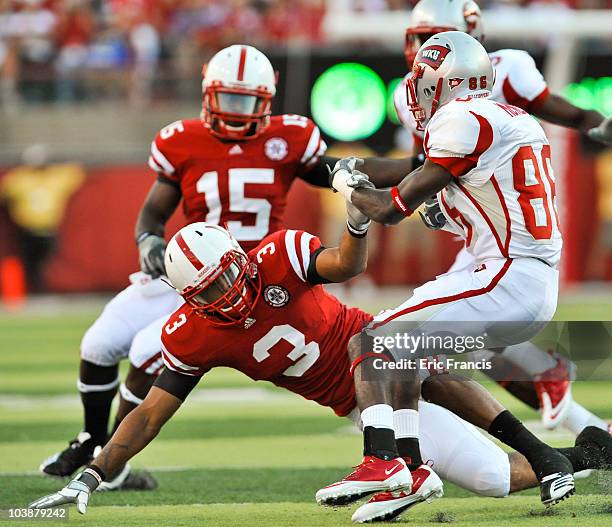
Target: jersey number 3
(304, 355)
(208, 185)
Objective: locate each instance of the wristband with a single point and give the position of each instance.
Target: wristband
(357, 233)
(143, 236)
(92, 476)
(399, 202)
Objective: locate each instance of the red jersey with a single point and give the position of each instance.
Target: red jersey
(243, 183)
(297, 336)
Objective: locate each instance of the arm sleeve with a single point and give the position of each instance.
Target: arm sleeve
(456, 140)
(299, 247)
(176, 383)
(312, 276)
(524, 85)
(317, 174)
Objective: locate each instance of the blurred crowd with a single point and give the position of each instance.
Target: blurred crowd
(68, 50)
(49, 49)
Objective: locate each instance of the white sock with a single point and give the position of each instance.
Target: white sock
(378, 416)
(578, 417)
(529, 357)
(406, 423)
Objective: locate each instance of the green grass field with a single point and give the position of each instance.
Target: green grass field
(237, 453)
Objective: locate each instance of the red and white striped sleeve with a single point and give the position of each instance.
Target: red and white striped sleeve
(172, 362)
(456, 138)
(300, 246)
(159, 160)
(315, 146)
(524, 86)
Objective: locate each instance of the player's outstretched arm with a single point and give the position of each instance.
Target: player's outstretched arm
(557, 110)
(391, 206)
(135, 432)
(383, 172)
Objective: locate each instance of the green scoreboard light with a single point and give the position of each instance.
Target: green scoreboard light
(591, 93)
(348, 101)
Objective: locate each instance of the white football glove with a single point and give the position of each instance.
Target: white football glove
(344, 178)
(77, 491)
(358, 223)
(603, 132)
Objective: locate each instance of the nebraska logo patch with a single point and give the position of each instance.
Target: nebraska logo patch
(433, 56)
(276, 148)
(276, 296)
(453, 83)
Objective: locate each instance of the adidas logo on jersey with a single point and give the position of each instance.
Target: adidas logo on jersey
(235, 150)
(249, 322)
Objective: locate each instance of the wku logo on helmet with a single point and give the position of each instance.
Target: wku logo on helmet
(433, 56)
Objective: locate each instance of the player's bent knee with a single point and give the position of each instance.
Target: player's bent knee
(97, 348)
(492, 480)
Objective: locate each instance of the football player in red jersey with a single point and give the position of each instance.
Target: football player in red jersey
(232, 166)
(265, 314)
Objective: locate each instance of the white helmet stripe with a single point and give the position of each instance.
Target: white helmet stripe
(160, 159)
(292, 253)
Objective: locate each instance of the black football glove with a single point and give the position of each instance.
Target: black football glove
(433, 218)
(152, 249)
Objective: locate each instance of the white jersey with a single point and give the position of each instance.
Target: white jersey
(517, 82)
(502, 197)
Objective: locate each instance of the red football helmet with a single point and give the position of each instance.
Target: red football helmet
(238, 86)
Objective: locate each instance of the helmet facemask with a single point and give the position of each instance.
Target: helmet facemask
(236, 113)
(422, 98)
(229, 295)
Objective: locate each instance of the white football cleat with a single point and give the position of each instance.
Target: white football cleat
(386, 506)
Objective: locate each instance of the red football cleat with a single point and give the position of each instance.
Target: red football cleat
(554, 390)
(385, 506)
(372, 475)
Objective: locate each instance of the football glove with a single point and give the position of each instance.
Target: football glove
(603, 132)
(77, 491)
(343, 178)
(152, 249)
(433, 218)
(358, 223)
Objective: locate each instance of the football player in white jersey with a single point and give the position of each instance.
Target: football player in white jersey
(519, 83)
(481, 158)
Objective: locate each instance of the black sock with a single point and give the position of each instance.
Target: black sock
(583, 458)
(97, 404)
(379, 442)
(543, 459)
(408, 448)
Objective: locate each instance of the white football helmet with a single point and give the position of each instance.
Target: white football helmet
(208, 268)
(238, 86)
(447, 66)
(435, 16)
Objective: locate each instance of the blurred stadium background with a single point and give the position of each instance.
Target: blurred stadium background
(84, 87)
